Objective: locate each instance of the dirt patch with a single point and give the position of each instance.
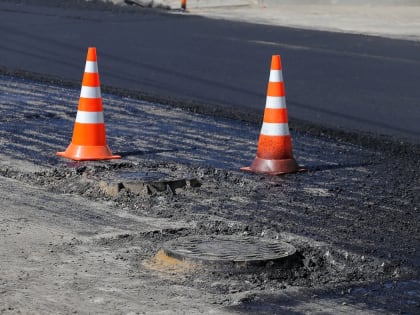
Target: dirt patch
(318, 264)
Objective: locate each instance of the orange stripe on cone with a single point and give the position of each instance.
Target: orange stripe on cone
(89, 136)
(275, 89)
(275, 115)
(91, 79)
(274, 152)
(274, 148)
(90, 104)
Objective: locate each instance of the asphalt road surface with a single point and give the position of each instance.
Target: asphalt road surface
(349, 82)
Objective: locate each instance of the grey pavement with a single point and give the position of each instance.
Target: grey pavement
(387, 18)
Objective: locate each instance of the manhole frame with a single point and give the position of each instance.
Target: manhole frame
(288, 256)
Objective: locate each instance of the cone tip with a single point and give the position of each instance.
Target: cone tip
(276, 62)
(91, 55)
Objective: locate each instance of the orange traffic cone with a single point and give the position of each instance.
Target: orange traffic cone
(274, 153)
(89, 139)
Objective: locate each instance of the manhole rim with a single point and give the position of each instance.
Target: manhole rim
(291, 250)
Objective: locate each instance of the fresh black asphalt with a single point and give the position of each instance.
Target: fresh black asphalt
(350, 82)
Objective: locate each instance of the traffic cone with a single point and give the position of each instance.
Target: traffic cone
(274, 153)
(89, 139)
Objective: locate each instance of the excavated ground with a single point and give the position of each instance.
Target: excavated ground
(353, 217)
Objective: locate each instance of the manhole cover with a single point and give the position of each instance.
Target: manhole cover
(228, 250)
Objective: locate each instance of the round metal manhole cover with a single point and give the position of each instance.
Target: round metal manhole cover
(228, 249)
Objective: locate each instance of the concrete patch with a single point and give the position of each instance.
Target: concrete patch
(144, 183)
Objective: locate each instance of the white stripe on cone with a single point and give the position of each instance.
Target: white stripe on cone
(89, 117)
(90, 92)
(275, 102)
(275, 129)
(276, 76)
(91, 67)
